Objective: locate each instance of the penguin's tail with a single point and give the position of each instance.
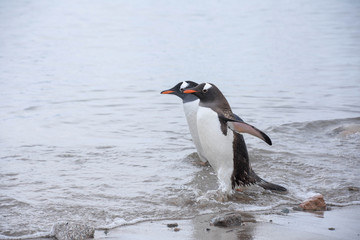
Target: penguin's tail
(267, 185)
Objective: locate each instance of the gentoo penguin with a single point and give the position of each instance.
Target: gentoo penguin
(223, 145)
(190, 104)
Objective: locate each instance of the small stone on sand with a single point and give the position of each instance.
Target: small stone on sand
(172, 225)
(353, 189)
(285, 210)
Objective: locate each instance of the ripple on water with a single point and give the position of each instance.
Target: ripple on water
(98, 143)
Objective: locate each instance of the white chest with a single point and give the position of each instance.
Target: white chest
(217, 147)
(190, 109)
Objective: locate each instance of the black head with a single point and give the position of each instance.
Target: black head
(209, 95)
(179, 88)
(206, 92)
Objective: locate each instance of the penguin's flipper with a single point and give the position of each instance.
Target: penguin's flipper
(239, 126)
(243, 127)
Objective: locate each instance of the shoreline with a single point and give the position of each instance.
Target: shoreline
(337, 223)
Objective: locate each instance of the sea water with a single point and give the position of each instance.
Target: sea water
(86, 136)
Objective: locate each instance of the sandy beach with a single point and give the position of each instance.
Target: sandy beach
(337, 223)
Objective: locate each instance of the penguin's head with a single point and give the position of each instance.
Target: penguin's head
(206, 92)
(210, 96)
(179, 88)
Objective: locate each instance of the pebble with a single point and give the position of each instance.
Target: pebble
(172, 225)
(353, 189)
(331, 229)
(285, 210)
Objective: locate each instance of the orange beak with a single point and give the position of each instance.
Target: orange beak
(189, 91)
(167, 92)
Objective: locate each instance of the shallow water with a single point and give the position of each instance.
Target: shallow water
(86, 136)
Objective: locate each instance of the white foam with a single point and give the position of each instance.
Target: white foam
(32, 236)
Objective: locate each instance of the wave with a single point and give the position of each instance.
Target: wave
(333, 127)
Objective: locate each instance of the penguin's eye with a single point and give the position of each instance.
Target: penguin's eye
(204, 90)
(181, 89)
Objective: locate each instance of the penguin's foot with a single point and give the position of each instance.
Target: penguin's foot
(240, 189)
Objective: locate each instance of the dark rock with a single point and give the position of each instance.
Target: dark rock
(172, 225)
(315, 203)
(285, 210)
(228, 220)
(331, 229)
(72, 231)
(353, 189)
(208, 229)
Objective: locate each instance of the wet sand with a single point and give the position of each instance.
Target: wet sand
(337, 223)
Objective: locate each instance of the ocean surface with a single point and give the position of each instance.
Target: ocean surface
(86, 136)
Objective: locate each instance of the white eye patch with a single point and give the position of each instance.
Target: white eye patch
(184, 85)
(207, 86)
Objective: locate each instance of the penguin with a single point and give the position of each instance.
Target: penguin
(190, 105)
(223, 145)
